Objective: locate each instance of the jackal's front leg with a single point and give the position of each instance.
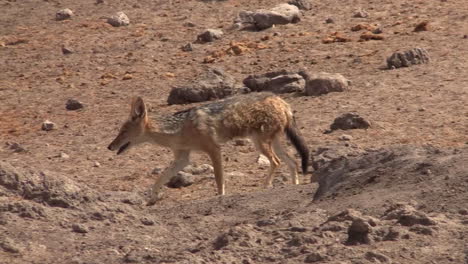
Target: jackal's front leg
(181, 159)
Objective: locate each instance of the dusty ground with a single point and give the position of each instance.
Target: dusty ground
(423, 105)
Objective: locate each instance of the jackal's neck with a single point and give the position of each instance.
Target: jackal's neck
(161, 138)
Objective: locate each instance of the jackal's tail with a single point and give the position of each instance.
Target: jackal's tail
(298, 141)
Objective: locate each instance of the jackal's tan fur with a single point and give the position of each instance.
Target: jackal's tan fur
(261, 116)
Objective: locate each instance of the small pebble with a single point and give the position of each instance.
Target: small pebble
(48, 125)
(63, 14)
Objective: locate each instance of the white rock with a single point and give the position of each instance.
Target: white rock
(63, 14)
(263, 161)
(119, 19)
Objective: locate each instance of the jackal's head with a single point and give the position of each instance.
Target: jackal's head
(133, 130)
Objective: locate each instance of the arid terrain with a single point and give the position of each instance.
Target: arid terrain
(396, 192)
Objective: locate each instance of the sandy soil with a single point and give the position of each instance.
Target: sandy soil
(421, 108)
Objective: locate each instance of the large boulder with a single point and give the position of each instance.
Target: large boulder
(276, 82)
(213, 84)
(408, 58)
(263, 19)
(323, 83)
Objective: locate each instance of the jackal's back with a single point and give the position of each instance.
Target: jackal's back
(237, 116)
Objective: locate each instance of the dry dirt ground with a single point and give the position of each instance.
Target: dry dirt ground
(64, 198)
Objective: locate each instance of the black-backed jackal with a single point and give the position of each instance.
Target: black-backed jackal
(263, 117)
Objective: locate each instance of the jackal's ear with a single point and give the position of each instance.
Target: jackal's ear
(138, 109)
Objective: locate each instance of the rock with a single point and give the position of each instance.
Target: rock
(335, 37)
(187, 47)
(361, 13)
(407, 215)
(314, 257)
(182, 179)
(359, 232)
(213, 84)
(53, 190)
(423, 230)
(329, 20)
(370, 36)
(73, 104)
(263, 19)
(209, 35)
(79, 228)
(265, 222)
(276, 82)
(221, 241)
(67, 50)
(8, 245)
(97, 164)
(349, 121)
(302, 4)
(241, 142)
(323, 83)
(147, 221)
(156, 171)
(408, 58)
(132, 257)
(393, 234)
(197, 170)
(422, 26)
(119, 19)
(17, 148)
(24, 209)
(63, 14)
(345, 137)
(263, 161)
(48, 125)
(63, 155)
(189, 24)
(377, 257)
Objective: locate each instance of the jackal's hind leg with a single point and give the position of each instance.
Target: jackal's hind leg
(290, 162)
(181, 159)
(266, 149)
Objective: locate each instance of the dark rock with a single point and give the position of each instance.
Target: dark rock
(73, 104)
(314, 257)
(359, 232)
(187, 47)
(48, 125)
(265, 222)
(8, 245)
(182, 179)
(408, 58)
(349, 121)
(329, 20)
(221, 242)
(214, 84)
(277, 82)
(147, 221)
(423, 230)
